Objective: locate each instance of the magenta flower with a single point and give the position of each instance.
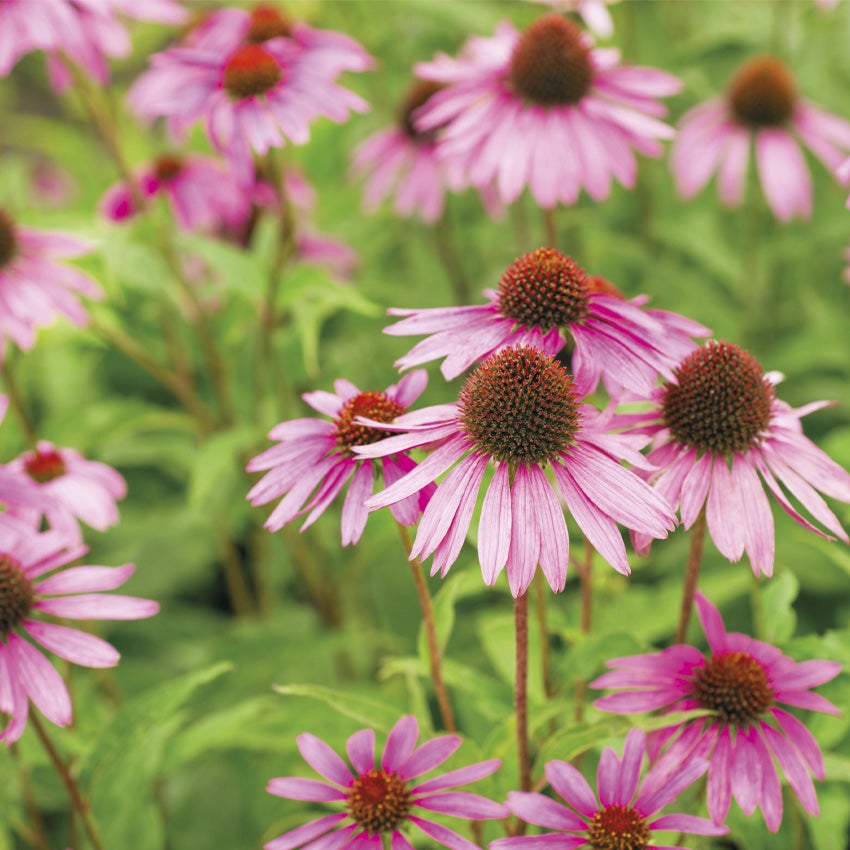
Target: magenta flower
(544, 109)
(716, 428)
(256, 84)
(379, 800)
(318, 453)
(744, 682)
(546, 300)
(74, 593)
(761, 105)
(33, 287)
(27, 25)
(594, 13)
(618, 820)
(519, 410)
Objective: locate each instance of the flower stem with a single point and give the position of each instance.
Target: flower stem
(16, 402)
(234, 578)
(692, 574)
(585, 577)
(38, 836)
(521, 691)
(80, 804)
(444, 239)
(551, 228)
(545, 655)
(430, 633)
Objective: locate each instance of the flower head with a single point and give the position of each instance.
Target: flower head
(743, 682)
(520, 411)
(626, 812)
(319, 453)
(29, 25)
(762, 105)
(546, 300)
(74, 593)
(544, 109)
(381, 798)
(717, 428)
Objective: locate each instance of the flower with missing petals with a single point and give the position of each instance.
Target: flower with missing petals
(743, 682)
(381, 798)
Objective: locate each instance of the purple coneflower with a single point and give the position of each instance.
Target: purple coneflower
(743, 681)
(520, 411)
(74, 593)
(718, 427)
(619, 820)
(27, 25)
(318, 453)
(762, 105)
(544, 109)
(380, 798)
(545, 300)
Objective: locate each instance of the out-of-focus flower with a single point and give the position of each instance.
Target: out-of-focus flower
(716, 428)
(544, 109)
(34, 288)
(27, 25)
(16, 493)
(318, 453)
(520, 411)
(627, 810)
(762, 106)
(26, 556)
(594, 13)
(744, 682)
(546, 300)
(380, 799)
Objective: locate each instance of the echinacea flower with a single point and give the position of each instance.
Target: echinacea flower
(27, 25)
(318, 453)
(594, 13)
(626, 812)
(26, 556)
(520, 411)
(379, 799)
(254, 87)
(717, 428)
(34, 288)
(744, 682)
(545, 299)
(544, 109)
(15, 493)
(761, 107)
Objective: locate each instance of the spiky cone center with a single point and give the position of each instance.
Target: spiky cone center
(250, 71)
(418, 95)
(763, 93)
(8, 240)
(544, 289)
(167, 167)
(378, 801)
(618, 828)
(44, 466)
(736, 686)
(371, 405)
(550, 64)
(16, 595)
(519, 407)
(266, 23)
(720, 402)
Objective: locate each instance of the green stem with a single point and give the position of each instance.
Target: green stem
(543, 629)
(234, 578)
(521, 691)
(38, 836)
(585, 571)
(551, 228)
(691, 575)
(756, 606)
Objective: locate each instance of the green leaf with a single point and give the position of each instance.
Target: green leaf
(499, 641)
(833, 821)
(239, 271)
(777, 599)
(375, 715)
(456, 587)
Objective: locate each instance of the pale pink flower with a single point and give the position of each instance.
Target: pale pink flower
(594, 13)
(379, 799)
(719, 433)
(318, 455)
(520, 411)
(26, 556)
(627, 810)
(744, 682)
(546, 300)
(34, 288)
(544, 109)
(762, 107)
(27, 25)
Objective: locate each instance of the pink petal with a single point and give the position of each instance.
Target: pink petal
(494, 526)
(430, 755)
(97, 606)
(572, 786)
(296, 788)
(82, 579)
(43, 684)
(361, 750)
(73, 645)
(400, 743)
(324, 760)
(307, 832)
(542, 811)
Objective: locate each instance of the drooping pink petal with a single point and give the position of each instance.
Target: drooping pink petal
(73, 645)
(43, 684)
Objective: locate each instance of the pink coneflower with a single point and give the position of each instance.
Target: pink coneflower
(743, 681)
(761, 105)
(520, 411)
(594, 13)
(34, 288)
(78, 490)
(74, 593)
(254, 89)
(716, 428)
(543, 109)
(545, 299)
(618, 820)
(379, 799)
(15, 493)
(318, 453)
(27, 25)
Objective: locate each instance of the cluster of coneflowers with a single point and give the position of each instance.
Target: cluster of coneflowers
(691, 431)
